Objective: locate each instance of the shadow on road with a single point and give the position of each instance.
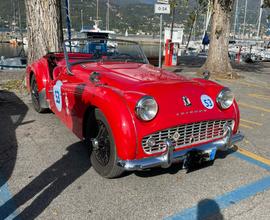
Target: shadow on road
(50, 183)
(12, 113)
(208, 209)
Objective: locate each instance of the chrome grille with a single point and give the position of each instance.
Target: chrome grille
(187, 134)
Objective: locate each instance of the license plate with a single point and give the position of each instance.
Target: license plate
(211, 154)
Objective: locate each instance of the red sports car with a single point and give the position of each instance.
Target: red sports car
(132, 115)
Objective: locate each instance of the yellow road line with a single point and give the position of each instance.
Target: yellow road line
(251, 122)
(246, 126)
(254, 107)
(254, 156)
(263, 97)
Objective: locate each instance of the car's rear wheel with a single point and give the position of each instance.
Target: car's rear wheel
(35, 96)
(103, 150)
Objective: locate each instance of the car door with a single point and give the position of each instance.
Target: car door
(57, 94)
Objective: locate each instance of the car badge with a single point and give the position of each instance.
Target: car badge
(186, 101)
(176, 136)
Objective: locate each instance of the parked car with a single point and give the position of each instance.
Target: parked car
(132, 115)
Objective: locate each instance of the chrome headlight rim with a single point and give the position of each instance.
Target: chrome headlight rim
(142, 113)
(225, 103)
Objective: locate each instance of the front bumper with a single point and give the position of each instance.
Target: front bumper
(165, 160)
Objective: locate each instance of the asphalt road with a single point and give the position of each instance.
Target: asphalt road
(45, 172)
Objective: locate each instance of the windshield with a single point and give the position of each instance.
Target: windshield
(94, 50)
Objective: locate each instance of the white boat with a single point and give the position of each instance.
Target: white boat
(13, 63)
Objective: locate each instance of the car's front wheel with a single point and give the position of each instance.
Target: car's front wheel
(103, 150)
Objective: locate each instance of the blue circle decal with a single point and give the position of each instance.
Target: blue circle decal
(207, 101)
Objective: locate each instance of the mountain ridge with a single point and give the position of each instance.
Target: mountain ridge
(131, 15)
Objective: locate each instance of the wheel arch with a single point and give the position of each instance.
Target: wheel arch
(32, 72)
(120, 119)
(89, 115)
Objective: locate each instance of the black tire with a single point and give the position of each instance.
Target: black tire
(35, 96)
(104, 157)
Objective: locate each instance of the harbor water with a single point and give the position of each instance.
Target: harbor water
(8, 50)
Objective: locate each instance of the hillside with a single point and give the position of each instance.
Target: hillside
(131, 15)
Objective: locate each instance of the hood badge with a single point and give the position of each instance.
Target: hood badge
(186, 101)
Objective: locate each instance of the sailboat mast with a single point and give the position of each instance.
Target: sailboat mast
(108, 16)
(97, 11)
(20, 20)
(245, 17)
(82, 15)
(260, 19)
(236, 17)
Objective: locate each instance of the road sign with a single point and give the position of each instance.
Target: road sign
(162, 9)
(163, 1)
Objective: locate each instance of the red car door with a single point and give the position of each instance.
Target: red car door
(57, 95)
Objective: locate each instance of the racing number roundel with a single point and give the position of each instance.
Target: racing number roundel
(207, 101)
(57, 95)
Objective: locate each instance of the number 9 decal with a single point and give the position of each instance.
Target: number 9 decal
(207, 101)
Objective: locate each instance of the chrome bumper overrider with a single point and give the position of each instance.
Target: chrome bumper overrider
(165, 160)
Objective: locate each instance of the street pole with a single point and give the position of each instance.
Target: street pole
(160, 41)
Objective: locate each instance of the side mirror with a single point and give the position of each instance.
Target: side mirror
(94, 77)
(206, 74)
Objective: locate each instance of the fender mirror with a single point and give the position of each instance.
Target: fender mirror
(206, 74)
(94, 77)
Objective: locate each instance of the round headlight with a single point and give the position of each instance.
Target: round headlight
(225, 98)
(147, 108)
